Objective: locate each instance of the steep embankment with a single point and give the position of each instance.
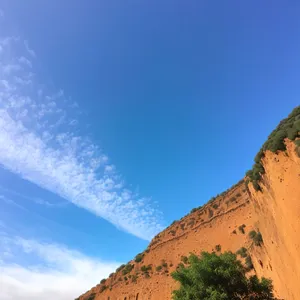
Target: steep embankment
(216, 223)
(269, 204)
(274, 211)
(278, 211)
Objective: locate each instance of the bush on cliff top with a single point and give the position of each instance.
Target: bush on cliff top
(219, 277)
(287, 128)
(139, 257)
(127, 269)
(91, 296)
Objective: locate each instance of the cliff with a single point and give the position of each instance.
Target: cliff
(269, 204)
(277, 209)
(216, 223)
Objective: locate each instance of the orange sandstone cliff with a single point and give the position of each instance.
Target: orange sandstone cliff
(277, 209)
(223, 224)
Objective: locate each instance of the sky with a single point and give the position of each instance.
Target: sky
(118, 117)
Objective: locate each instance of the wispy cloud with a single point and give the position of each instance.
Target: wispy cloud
(47, 203)
(28, 49)
(40, 140)
(39, 201)
(11, 202)
(61, 273)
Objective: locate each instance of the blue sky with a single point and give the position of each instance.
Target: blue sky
(118, 117)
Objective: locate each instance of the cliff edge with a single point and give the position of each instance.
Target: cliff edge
(266, 201)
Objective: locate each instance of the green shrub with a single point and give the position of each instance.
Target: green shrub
(258, 240)
(158, 268)
(210, 213)
(242, 252)
(164, 265)
(287, 128)
(256, 237)
(292, 133)
(194, 210)
(134, 278)
(103, 281)
(215, 206)
(102, 288)
(218, 248)
(127, 269)
(297, 125)
(139, 257)
(184, 259)
(120, 268)
(219, 277)
(252, 234)
(180, 265)
(92, 296)
(146, 268)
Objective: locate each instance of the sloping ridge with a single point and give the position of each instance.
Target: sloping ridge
(269, 203)
(214, 224)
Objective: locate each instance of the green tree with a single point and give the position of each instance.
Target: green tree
(219, 277)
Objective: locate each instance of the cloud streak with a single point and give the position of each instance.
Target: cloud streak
(61, 273)
(40, 140)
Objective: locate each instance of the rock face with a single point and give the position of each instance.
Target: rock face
(277, 209)
(223, 224)
(216, 223)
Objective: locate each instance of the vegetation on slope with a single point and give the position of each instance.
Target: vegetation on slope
(219, 277)
(287, 128)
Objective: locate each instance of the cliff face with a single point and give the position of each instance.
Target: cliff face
(274, 211)
(277, 209)
(216, 223)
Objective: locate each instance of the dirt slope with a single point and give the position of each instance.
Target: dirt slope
(274, 211)
(215, 224)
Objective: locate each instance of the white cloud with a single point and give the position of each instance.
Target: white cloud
(11, 193)
(37, 141)
(47, 203)
(25, 61)
(28, 49)
(9, 68)
(61, 273)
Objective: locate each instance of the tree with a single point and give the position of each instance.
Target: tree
(219, 277)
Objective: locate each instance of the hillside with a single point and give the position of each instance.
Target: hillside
(269, 203)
